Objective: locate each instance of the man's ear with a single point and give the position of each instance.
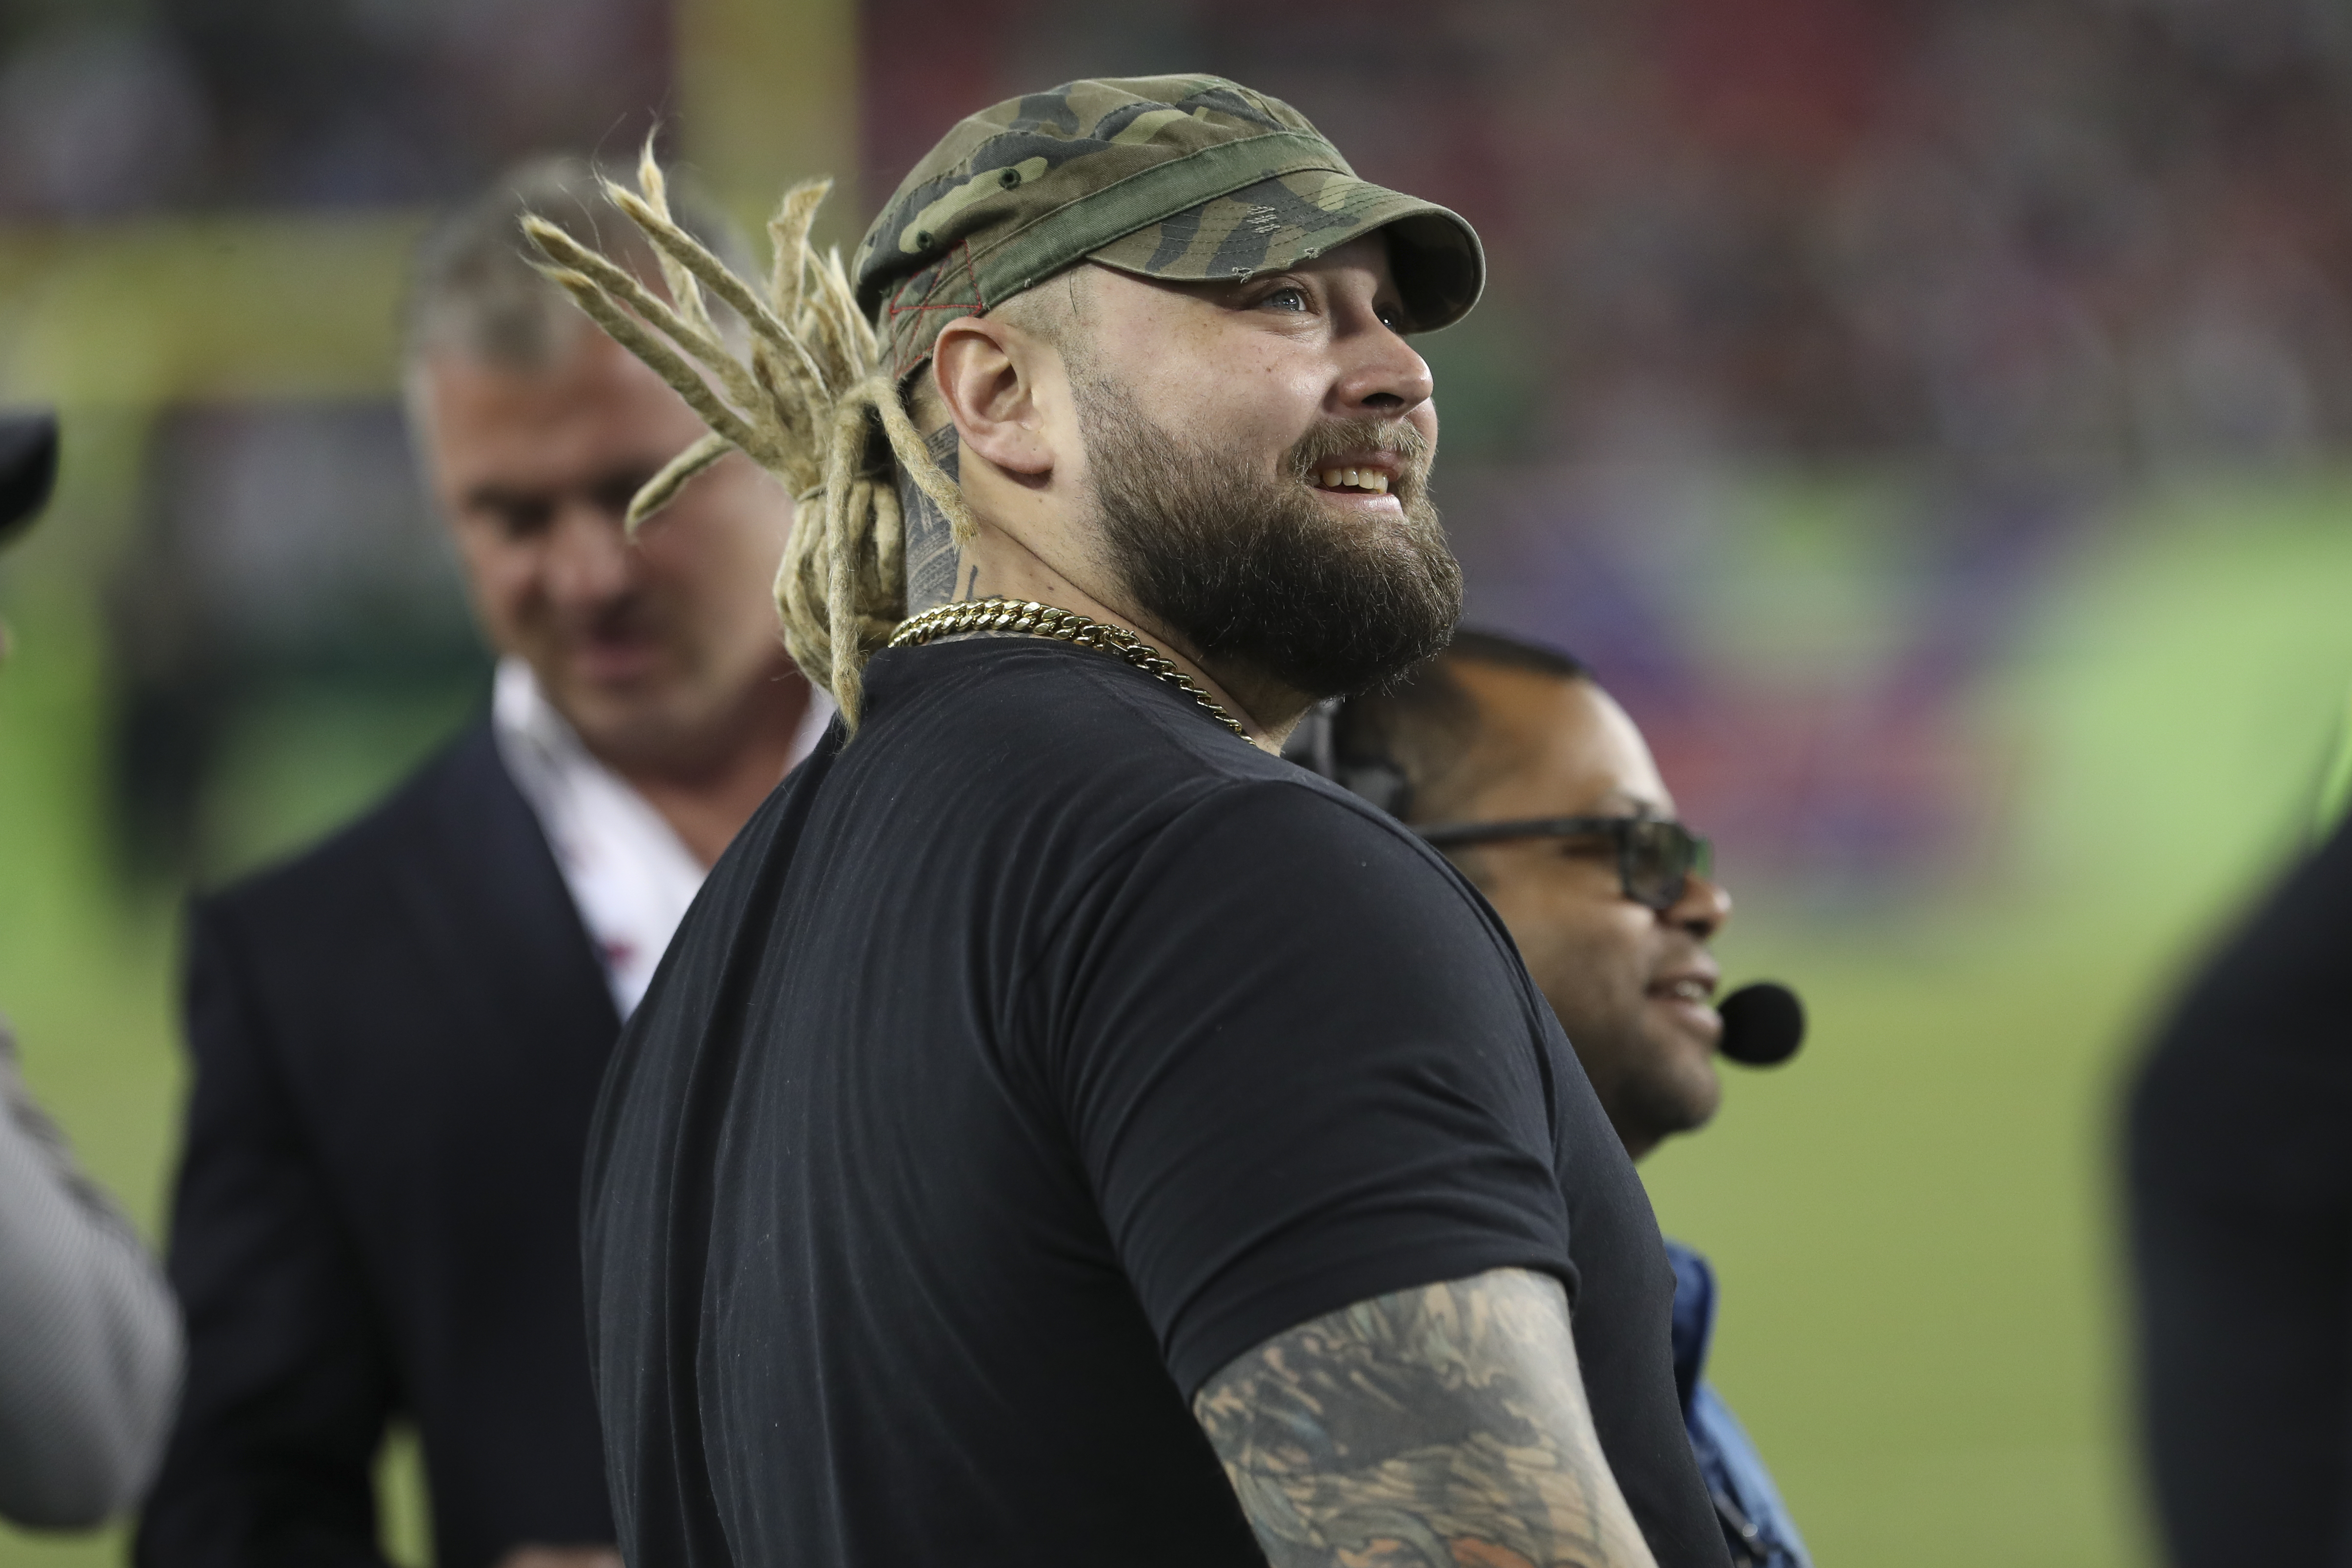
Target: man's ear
(986, 372)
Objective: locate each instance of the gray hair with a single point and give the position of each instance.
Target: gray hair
(475, 289)
(810, 402)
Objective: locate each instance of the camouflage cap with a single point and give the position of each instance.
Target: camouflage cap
(1189, 177)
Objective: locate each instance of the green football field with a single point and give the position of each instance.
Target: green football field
(1913, 1222)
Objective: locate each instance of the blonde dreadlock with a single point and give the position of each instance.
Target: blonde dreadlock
(804, 404)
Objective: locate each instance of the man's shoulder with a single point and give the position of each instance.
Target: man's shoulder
(462, 788)
(1028, 718)
(996, 692)
(1102, 757)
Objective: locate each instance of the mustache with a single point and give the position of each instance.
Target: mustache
(1336, 437)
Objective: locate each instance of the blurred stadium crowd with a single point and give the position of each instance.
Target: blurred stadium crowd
(2018, 250)
(121, 108)
(2030, 238)
(2026, 240)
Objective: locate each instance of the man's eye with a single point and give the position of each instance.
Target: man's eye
(518, 521)
(1289, 297)
(612, 497)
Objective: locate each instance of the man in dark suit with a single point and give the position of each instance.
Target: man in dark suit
(398, 1038)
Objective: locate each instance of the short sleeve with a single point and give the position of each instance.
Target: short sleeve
(1302, 1067)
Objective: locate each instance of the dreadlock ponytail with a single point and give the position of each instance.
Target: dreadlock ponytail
(810, 402)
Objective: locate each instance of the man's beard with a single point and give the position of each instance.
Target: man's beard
(1252, 571)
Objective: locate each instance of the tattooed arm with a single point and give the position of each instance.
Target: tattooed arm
(1438, 1427)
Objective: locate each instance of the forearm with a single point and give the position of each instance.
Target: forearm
(1438, 1426)
(90, 1338)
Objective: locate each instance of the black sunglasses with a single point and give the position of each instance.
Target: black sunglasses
(1656, 857)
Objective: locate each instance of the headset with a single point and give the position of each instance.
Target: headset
(1375, 776)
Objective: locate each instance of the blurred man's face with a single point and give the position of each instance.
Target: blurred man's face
(1631, 985)
(652, 650)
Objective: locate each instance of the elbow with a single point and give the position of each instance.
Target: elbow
(84, 1450)
(76, 1475)
(74, 1495)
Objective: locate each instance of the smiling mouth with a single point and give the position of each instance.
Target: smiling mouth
(1358, 481)
(1693, 991)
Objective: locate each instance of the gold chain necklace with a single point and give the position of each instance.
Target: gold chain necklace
(1030, 618)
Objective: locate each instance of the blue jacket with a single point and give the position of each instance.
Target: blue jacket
(1756, 1522)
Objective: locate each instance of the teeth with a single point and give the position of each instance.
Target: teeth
(1688, 990)
(1376, 481)
(1370, 479)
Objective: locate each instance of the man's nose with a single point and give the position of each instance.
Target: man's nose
(588, 556)
(1702, 910)
(1383, 378)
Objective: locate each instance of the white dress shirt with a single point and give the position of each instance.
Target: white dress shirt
(630, 875)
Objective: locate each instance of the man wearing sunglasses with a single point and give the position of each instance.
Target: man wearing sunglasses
(1537, 786)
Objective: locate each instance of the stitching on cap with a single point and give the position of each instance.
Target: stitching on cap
(973, 277)
(939, 275)
(976, 306)
(939, 281)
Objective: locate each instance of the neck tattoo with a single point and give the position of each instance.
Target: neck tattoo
(1030, 618)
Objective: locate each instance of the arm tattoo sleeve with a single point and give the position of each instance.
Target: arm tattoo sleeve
(1438, 1427)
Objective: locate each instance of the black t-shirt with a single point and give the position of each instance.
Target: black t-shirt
(1024, 1062)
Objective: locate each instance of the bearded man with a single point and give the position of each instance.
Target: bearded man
(1064, 1131)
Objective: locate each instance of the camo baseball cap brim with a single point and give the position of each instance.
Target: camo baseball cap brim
(1192, 178)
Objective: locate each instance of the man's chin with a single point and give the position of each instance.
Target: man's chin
(613, 670)
(623, 717)
(1322, 593)
(1677, 1090)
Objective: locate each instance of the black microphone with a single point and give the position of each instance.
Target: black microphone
(29, 467)
(1763, 1025)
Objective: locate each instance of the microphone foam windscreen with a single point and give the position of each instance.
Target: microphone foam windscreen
(1763, 1025)
(28, 467)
